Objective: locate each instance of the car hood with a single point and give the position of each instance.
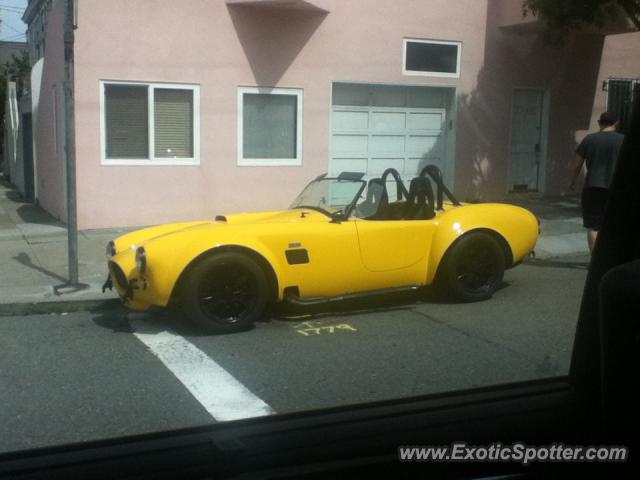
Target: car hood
(284, 216)
(146, 235)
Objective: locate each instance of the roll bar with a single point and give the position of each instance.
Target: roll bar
(436, 175)
(401, 189)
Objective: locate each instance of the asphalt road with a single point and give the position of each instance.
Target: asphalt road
(86, 376)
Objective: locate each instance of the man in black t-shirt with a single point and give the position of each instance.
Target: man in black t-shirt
(599, 152)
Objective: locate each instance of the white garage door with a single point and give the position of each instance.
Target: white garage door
(371, 138)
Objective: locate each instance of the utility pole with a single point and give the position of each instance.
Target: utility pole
(73, 283)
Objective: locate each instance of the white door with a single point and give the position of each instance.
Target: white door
(374, 134)
(526, 140)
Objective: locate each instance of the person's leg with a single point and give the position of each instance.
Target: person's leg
(587, 216)
(591, 238)
(594, 200)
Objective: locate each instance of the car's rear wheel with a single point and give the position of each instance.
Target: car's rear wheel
(225, 293)
(473, 268)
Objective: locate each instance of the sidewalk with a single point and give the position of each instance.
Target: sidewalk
(561, 227)
(33, 255)
(33, 247)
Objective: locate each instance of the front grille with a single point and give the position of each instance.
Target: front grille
(118, 276)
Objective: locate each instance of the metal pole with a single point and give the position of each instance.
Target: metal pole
(70, 143)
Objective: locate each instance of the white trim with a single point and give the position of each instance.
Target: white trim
(152, 160)
(393, 84)
(270, 162)
(151, 117)
(430, 74)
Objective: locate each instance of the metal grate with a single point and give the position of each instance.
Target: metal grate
(622, 92)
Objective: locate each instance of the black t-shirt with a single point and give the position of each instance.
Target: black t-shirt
(600, 151)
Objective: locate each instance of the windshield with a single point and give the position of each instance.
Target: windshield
(329, 195)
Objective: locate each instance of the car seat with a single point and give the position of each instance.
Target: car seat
(376, 201)
(420, 201)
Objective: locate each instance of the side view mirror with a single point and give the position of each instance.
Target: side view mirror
(338, 217)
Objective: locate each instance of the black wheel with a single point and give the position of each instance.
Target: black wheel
(225, 293)
(473, 268)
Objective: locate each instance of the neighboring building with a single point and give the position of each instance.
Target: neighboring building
(188, 109)
(619, 78)
(8, 49)
(15, 157)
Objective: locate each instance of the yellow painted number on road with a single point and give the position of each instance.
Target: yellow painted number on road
(308, 329)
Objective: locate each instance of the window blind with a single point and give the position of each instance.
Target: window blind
(173, 123)
(126, 118)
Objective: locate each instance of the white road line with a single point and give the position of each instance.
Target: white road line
(216, 389)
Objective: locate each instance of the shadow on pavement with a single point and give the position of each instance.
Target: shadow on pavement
(26, 212)
(116, 321)
(161, 319)
(151, 322)
(548, 208)
(386, 303)
(24, 259)
(30, 213)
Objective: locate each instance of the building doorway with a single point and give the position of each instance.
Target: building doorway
(528, 135)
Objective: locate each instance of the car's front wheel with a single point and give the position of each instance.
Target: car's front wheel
(225, 293)
(473, 268)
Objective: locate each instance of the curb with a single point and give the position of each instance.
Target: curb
(59, 308)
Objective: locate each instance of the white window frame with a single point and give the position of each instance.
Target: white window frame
(430, 74)
(152, 160)
(270, 162)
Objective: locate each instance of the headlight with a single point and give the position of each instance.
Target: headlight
(111, 249)
(141, 260)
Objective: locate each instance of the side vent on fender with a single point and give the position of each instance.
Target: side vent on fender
(298, 256)
(221, 218)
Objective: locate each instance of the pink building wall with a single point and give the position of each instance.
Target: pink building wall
(48, 126)
(515, 56)
(221, 47)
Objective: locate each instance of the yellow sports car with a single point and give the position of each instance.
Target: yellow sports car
(342, 237)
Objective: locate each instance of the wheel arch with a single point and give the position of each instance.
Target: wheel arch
(261, 261)
(502, 242)
(497, 236)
